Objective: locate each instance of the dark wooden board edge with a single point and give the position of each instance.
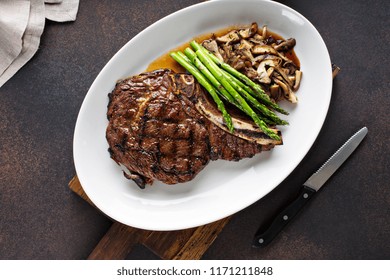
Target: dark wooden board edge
(187, 244)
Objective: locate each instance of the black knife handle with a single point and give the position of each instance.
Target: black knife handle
(264, 236)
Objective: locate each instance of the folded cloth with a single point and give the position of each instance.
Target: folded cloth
(13, 22)
(21, 26)
(62, 10)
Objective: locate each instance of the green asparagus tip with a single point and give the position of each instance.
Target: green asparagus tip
(273, 135)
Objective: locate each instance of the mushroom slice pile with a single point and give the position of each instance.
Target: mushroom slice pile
(264, 59)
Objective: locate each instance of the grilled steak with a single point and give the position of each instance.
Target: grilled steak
(157, 132)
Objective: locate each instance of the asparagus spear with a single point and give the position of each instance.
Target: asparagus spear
(195, 60)
(217, 73)
(182, 60)
(270, 118)
(262, 108)
(260, 92)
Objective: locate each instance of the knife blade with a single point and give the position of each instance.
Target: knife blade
(264, 236)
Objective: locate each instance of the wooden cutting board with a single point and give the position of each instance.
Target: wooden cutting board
(117, 243)
(188, 244)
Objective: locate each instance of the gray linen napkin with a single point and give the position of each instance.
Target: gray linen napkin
(21, 25)
(61, 10)
(11, 30)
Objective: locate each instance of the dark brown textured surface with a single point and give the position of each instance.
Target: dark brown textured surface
(42, 219)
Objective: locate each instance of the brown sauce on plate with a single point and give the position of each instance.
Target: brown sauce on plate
(165, 61)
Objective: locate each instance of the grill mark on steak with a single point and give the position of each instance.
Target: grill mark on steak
(156, 132)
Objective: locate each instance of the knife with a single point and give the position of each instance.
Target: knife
(264, 236)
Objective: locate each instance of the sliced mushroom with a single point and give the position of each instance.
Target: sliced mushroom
(257, 39)
(271, 41)
(270, 70)
(250, 72)
(212, 46)
(262, 57)
(282, 73)
(245, 50)
(291, 78)
(248, 32)
(264, 31)
(228, 52)
(298, 77)
(275, 92)
(236, 62)
(244, 44)
(229, 38)
(263, 49)
(263, 73)
(284, 57)
(291, 67)
(287, 91)
(277, 59)
(286, 45)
